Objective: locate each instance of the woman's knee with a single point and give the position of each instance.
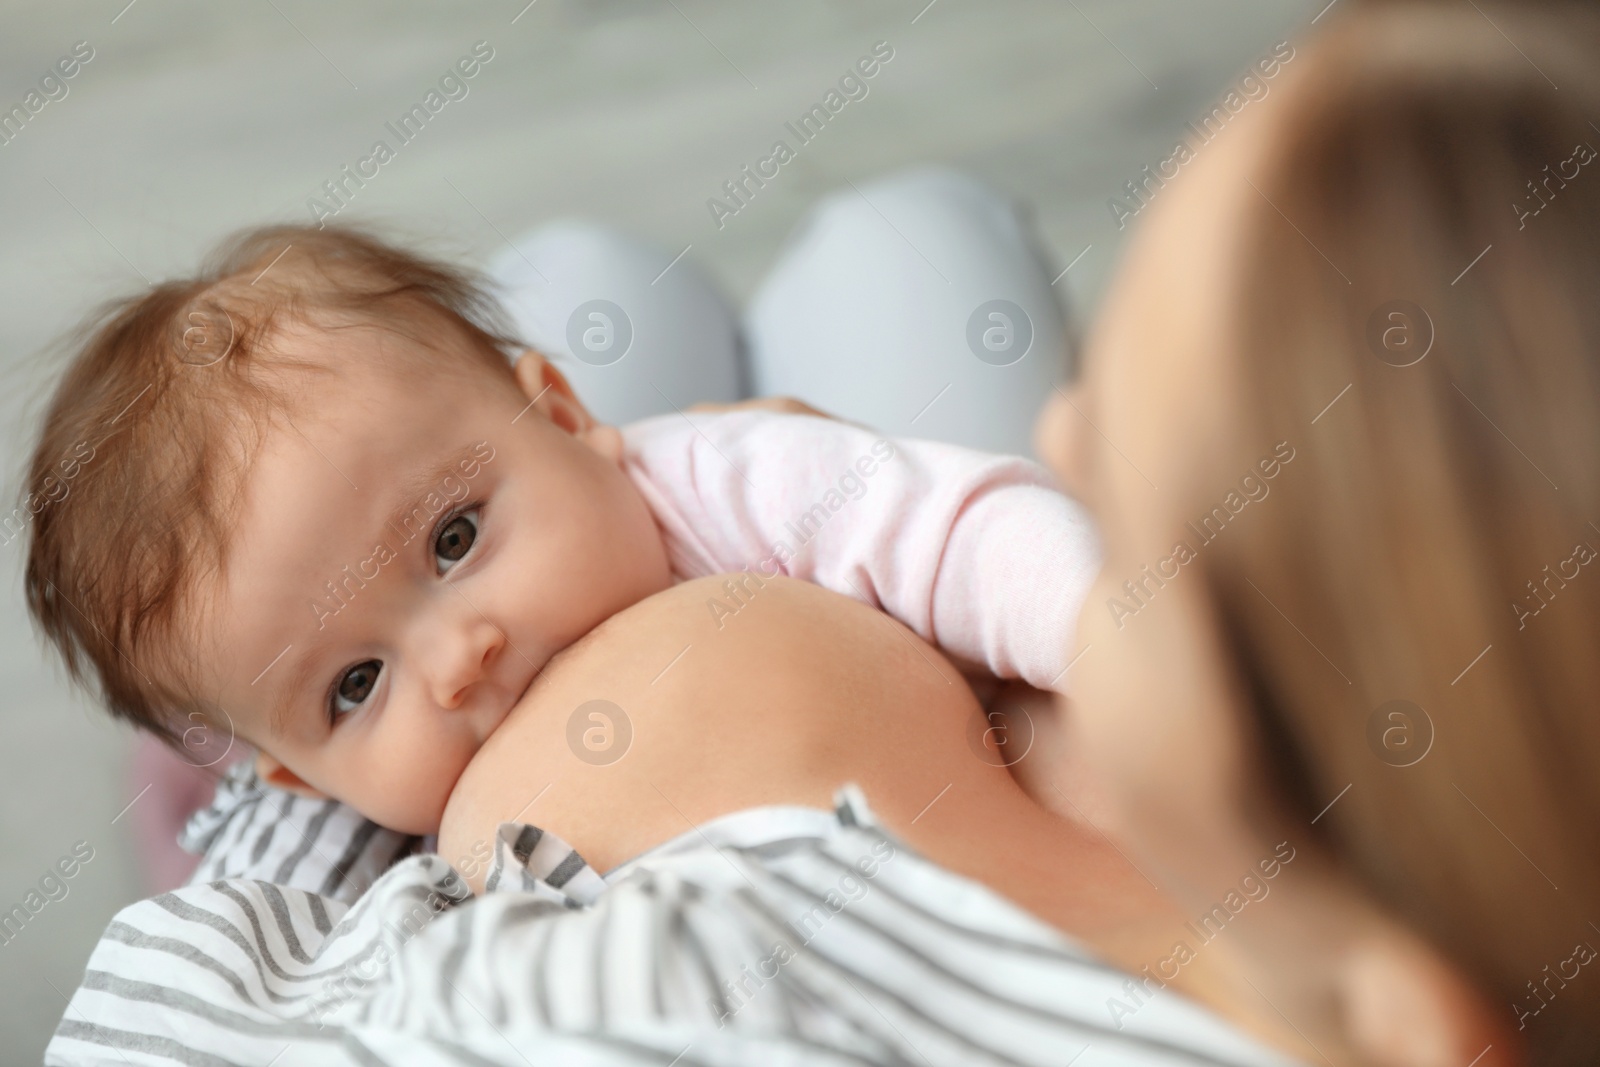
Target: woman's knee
(912, 272)
(634, 338)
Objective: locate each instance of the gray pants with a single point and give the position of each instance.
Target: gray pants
(918, 305)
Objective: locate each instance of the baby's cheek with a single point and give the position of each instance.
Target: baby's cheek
(410, 793)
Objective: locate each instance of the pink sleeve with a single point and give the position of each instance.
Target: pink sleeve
(975, 552)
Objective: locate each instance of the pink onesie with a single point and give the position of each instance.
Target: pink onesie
(977, 553)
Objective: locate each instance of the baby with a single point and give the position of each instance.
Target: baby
(325, 514)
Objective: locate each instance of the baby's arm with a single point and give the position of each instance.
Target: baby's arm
(974, 552)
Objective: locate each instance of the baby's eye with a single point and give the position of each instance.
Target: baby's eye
(355, 686)
(455, 539)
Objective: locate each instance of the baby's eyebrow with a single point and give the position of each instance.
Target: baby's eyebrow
(419, 482)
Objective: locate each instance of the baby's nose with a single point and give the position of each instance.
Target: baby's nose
(466, 663)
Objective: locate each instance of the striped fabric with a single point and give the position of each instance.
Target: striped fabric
(771, 936)
(256, 831)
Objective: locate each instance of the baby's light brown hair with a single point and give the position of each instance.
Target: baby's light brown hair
(135, 481)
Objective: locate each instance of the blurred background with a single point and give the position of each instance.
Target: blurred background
(192, 120)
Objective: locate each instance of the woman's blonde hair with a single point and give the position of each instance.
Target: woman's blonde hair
(1426, 232)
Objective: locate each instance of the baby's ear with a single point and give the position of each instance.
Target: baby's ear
(550, 395)
(269, 770)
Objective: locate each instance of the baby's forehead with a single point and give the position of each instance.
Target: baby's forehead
(336, 340)
(359, 396)
(343, 365)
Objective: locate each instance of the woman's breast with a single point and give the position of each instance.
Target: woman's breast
(698, 702)
(675, 712)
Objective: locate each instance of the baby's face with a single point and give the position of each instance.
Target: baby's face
(413, 546)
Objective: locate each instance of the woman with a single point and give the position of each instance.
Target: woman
(1326, 412)
(1392, 268)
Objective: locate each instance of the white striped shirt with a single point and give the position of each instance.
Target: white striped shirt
(772, 936)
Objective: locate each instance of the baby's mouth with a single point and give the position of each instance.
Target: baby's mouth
(504, 715)
(521, 695)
